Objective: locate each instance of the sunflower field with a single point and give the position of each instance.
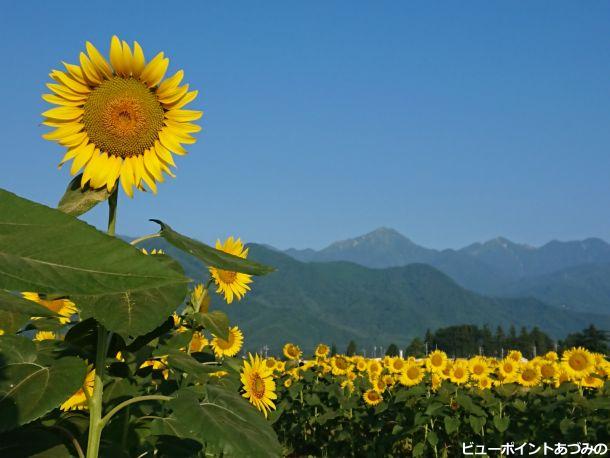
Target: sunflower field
(110, 350)
(354, 406)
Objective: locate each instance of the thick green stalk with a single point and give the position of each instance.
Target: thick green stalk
(112, 206)
(95, 402)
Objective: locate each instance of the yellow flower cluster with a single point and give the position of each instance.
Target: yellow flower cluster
(377, 376)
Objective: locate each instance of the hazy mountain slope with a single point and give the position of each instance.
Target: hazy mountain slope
(496, 267)
(338, 301)
(584, 288)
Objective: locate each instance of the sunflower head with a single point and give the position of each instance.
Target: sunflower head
(412, 374)
(578, 363)
(459, 372)
(78, 401)
(231, 284)
(436, 361)
(322, 350)
(120, 120)
(478, 367)
(231, 346)
(198, 342)
(44, 335)
(65, 308)
(529, 375)
(292, 351)
(258, 384)
(340, 365)
(372, 397)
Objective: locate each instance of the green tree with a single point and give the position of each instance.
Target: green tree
(333, 350)
(351, 348)
(590, 338)
(416, 348)
(392, 350)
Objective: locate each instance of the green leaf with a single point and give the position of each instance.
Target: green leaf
(47, 251)
(15, 311)
(451, 424)
(216, 322)
(432, 438)
(501, 423)
(77, 201)
(477, 423)
(225, 423)
(467, 403)
(34, 441)
(29, 389)
(211, 256)
(419, 449)
(186, 363)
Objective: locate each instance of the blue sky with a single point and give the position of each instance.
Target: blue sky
(324, 120)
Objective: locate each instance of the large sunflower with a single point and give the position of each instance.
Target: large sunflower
(258, 384)
(412, 374)
(229, 347)
(65, 308)
(231, 284)
(578, 362)
(120, 120)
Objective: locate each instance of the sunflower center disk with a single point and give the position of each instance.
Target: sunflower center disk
(122, 117)
(258, 386)
(227, 276)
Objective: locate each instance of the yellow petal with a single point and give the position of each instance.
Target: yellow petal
(98, 60)
(139, 62)
(89, 69)
(116, 55)
(66, 93)
(82, 158)
(57, 100)
(73, 140)
(155, 70)
(188, 98)
(75, 72)
(170, 142)
(100, 172)
(183, 115)
(180, 135)
(63, 113)
(64, 131)
(127, 178)
(137, 164)
(164, 154)
(113, 172)
(73, 152)
(150, 181)
(127, 58)
(170, 84)
(174, 95)
(90, 168)
(185, 127)
(152, 165)
(70, 82)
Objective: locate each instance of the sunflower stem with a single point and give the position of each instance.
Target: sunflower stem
(112, 206)
(96, 424)
(151, 397)
(95, 402)
(145, 237)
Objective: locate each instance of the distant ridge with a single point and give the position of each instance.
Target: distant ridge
(497, 266)
(339, 301)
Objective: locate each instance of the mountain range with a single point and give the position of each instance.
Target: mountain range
(573, 274)
(338, 301)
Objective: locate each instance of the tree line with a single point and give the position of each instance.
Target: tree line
(463, 341)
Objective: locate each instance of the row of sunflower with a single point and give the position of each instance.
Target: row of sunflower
(355, 406)
(114, 351)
